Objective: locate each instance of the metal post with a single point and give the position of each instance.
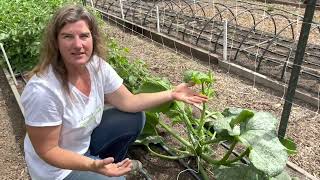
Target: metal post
(303, 39)
(121, 7)
(225, 41)
(8, 63)
(158, 19)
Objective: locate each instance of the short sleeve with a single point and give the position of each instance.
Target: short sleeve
(41, 106)
(112, 81)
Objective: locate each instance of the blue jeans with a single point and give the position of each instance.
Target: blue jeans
(111, 138)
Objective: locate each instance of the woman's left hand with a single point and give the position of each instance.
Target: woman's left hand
(182, 92)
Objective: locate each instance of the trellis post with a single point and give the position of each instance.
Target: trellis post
(294, 77)
(225, 40)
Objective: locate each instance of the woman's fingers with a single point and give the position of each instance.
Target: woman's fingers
(124, 162)
(108, 160)
(100, 163)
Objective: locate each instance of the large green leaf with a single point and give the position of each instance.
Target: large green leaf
(245, 172)
(267, 153)
(156, 85)
(238, 172)
(223, 128)
(283, 176)
(222, 124)
(244, 116)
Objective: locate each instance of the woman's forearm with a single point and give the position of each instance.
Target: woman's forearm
(144, 101)
(66, 159)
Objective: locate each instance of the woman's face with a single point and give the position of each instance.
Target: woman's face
(75, 43)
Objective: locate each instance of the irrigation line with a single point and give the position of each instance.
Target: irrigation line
(195, 175)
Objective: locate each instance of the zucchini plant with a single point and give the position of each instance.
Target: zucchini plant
(254, 132)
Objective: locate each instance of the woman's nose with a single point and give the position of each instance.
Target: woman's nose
(77, 42)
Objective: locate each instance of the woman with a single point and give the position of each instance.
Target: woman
(64, 100)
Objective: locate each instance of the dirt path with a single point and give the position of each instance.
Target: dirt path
(12, 164)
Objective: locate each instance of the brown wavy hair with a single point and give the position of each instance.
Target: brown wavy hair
(49, 52)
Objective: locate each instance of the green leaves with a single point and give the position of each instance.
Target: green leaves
(156, 85)
(244, 116)
(205, 80)
(22, 23)
(245, 172)
(258, 132)
(197, 77)
(289, 145)
(133, 73)
(239, 172)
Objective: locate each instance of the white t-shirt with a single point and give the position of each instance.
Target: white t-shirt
(46, 104)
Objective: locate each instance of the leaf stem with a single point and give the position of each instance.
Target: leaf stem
(216, 140)
(203, 172)
(165, 156)
(209, 159)
(246, 152)
(226, 156)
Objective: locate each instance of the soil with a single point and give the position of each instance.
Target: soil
(231, 90)
(12, 164)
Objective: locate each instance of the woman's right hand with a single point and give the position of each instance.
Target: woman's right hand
(108, 168)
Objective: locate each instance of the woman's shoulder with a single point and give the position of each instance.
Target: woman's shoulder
(46, 82)
(99, 63)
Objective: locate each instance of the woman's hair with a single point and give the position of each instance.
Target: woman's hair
(49, 52)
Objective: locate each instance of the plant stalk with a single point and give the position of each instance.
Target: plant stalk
(165, 156)
(203, 172)
(203, 114)
(212, 141)
(191, 131)
(226, 156)
(209, 159)
(183, 141)
(246, 152)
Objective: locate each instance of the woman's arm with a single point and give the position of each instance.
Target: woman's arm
(124, 100)
(45, 142)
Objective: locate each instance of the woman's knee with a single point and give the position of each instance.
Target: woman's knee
(141, 122)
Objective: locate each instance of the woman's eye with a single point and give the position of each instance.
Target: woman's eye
(67, 37)
(85, 36)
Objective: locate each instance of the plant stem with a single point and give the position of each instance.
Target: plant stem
(165, 156)
(183, 141)
(214, 141)
(191, 131)
(179, 151)
(246, 152)
(203, 114)
(209, 159)
(203, 172)
(202, 119)
(226, 156)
